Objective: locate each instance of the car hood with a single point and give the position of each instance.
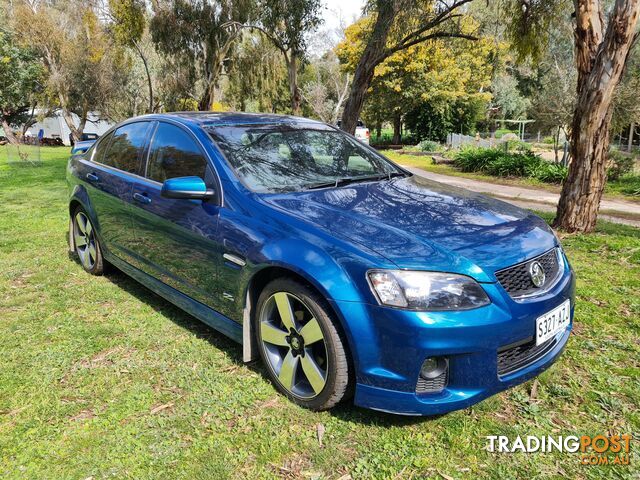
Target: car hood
(418, 223)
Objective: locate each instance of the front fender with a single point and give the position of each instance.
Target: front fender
(339, 277)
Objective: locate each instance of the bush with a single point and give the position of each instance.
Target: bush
(500, 163)
(619, 165)
(630, 185)
(428, 146)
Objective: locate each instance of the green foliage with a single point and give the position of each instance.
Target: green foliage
(619, 165)
(515, 145)
(630, 185)
(21, 75)
(508, 98)
(198, 37)
(436, 118)
(437, 86)
(288, 21)
(531, 22)
(500, 163)
(257, 86)
(429, 146)
(129, 20)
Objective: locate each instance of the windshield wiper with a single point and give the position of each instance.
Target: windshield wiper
(343, 181)
(348, 180)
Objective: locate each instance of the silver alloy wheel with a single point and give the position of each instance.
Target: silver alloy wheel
(294, 345)
(84, 239)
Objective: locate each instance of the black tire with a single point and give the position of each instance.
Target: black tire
(339, 371)
(92, 262)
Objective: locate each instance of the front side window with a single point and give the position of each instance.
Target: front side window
(126, 146)
(174, 154)
(276, 158)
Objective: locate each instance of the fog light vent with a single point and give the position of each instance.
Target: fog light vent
(433, 375)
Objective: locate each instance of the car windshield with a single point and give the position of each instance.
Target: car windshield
(276, 158)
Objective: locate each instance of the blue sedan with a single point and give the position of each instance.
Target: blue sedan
(347, 275)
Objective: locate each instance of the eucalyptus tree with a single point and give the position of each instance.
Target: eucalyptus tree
(257, 80)
(604, 33)
(200, 36)
(285, 23)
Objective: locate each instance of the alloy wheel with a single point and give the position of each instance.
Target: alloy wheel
(85, 240)
(294, 345)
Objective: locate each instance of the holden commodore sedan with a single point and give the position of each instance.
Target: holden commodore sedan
(347, 275)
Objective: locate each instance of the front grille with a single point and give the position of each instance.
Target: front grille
(517, 356)
(432, 385)
(517, 281)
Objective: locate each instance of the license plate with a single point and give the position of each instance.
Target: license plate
(553, 322)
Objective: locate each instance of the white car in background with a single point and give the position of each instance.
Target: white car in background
(361, 133)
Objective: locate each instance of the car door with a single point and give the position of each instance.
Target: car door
(176, 239)
(116, 159)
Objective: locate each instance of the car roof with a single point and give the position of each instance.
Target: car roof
(219, 119)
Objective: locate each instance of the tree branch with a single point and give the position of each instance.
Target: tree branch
(273, 39)
(443, 16)
(390, 51)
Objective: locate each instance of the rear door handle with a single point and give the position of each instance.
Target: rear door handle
(92, 177)
(140, 198)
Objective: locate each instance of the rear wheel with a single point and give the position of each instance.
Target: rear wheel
(300, 345)
(85, 243)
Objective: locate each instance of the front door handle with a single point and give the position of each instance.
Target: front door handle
(92, 177)
(140, 198)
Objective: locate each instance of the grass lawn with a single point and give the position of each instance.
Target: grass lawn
(613, 190)
(101, 378)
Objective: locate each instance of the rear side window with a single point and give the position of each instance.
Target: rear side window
(174, 153)
(101, 147)
(125, 149)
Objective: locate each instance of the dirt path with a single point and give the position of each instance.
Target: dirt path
(617, 211)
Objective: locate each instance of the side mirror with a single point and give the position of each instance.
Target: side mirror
(191, 188)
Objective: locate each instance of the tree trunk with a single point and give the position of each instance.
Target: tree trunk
(397, 129)
(76, 134)
(149, 82)
(370, 58)
(632, 129)
(600, 60)
(8, 132)
(294, 91)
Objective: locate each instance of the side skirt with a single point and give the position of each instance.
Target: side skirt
(215, 320)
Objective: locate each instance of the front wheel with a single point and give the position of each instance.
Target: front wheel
(301, 346)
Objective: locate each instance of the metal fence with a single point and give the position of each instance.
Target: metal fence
(457, 140)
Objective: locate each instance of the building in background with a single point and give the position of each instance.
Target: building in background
(54, 126)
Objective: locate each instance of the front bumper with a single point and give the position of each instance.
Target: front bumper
(389, 346)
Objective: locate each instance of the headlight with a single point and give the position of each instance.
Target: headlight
(426, 290)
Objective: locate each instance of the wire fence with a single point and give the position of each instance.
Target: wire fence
(22, 154)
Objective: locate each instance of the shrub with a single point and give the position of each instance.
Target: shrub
(619, 165)
(428, 146)
(497, 162)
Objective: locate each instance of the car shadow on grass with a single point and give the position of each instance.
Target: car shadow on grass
(346, 411)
